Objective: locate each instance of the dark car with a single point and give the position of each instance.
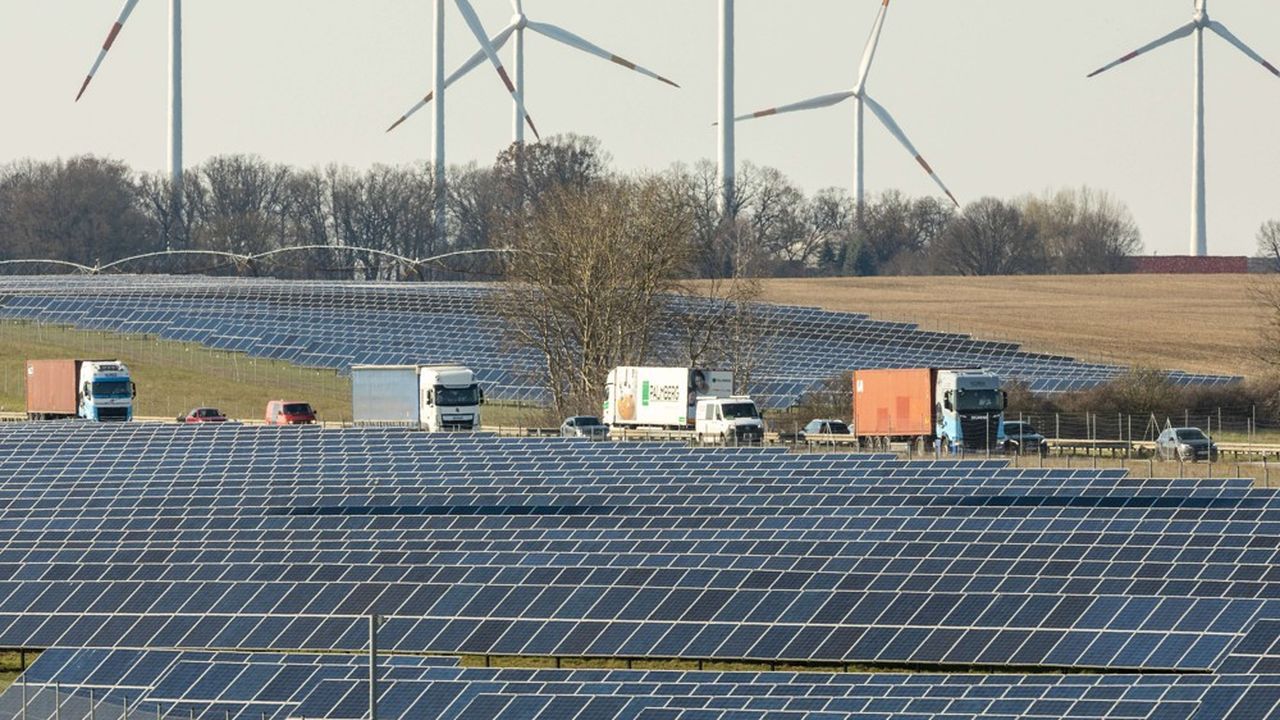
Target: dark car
(1020, 437)
(1186, 444)
(822, 428)
(587, 426)
(203, 415)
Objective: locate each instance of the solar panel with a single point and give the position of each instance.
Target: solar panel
(335, 325)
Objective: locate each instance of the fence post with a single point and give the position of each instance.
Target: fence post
(57, 701)
(92, 705)
(24, 696)
(373, 667)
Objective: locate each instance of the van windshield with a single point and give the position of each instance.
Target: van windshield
(736, 411)
(111, 389)
(297, 409)
(458, 396)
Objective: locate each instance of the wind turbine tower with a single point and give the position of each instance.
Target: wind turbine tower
(862, 100)
(175, 81)
(1200, 22)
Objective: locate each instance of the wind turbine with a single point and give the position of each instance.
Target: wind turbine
(862, 101)
(175, 81)
(1199, 21)
(438, 147)
(519, 23)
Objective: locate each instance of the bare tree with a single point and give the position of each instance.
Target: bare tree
(990, 237)
(1269, 243)
(84, 210)
(244, 205)
(1084, 231)
(590, 280)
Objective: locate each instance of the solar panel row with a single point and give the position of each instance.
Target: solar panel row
(220, 685)
(336, 325)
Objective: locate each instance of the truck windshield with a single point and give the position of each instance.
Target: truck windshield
(457, 396)
(111, 389)
(735, 411)
(980, 401)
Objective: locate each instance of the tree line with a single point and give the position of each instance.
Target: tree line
(92, 210)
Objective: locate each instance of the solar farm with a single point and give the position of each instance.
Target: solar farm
(230, 572)
(337, 325)
(236, 571)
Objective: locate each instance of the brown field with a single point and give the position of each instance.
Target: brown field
(1201, 323)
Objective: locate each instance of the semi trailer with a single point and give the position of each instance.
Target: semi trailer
(100, 390)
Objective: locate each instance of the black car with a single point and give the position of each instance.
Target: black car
(1187, 444)
(1020, 437)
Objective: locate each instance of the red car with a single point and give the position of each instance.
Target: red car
(203, 415)
(289, 412)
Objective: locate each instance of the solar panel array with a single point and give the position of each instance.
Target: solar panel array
(187, 684)
(336, 325)
(188, 569)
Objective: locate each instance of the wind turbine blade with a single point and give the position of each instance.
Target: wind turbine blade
(561, 35)
(878, 110)
(869, 53)
(1178, 34)
(482, 37)
(129, 5)
(498, 41)
(811, 104)
(1227, 35)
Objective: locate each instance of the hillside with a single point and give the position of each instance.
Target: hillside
(1200, 323)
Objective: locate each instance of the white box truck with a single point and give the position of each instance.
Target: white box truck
(432, 397)
(660, 397)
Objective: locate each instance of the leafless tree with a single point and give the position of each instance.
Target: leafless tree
(244, 205)
(1269, 243)
(1084, 231)
(990, 237)
(591, 279)
(84, 210)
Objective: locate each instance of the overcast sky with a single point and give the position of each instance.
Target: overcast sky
(993, 92)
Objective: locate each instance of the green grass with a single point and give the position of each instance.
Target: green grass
(173, 377)
(11, 667)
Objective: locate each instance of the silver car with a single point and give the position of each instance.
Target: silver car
(1187, 444)
(587, 426)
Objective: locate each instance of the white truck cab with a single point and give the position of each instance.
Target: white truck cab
(729, 419)
(449, 398)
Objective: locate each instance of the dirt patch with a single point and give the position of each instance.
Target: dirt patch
(1200, 323)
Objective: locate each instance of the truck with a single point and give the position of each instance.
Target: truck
(99, 390)
(660, 397)
(960, 409)
(435, 398)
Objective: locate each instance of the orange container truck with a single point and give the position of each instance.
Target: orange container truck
(959, 409)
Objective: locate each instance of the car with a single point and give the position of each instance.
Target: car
(203, 415)
(1185, 444)
(820, 428)
(290, 412)
(1021, 437)
(587, 426)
